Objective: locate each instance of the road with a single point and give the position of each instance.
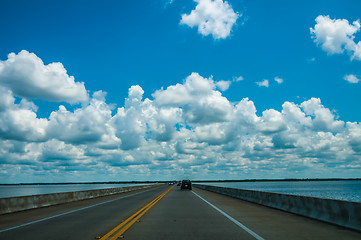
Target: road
(176, 214)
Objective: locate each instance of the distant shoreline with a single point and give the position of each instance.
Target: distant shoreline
(196, 181)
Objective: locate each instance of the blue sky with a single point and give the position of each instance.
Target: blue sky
(148, 90)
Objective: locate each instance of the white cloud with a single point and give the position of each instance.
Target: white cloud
(223, 85)
(351, 78)
(213, 17)
(295, 117)
(186, 129)
(84, 125)
(129, 120)
(199, 100)
(264, 83)
(245, 114)
(271, 122)
(237, 79)
(354, 136)
(162, 121)
(27, 76)
(6, 98)
(278, 80)
(20, 122)
(323, 120)
(55, 150)
(136, 93)
(357, 52)
(336, 36)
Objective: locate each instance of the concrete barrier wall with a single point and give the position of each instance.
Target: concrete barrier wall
(342, 213)
(15, 204)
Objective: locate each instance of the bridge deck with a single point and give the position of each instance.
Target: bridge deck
(178, 215)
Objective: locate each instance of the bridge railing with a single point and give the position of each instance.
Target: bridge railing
(343, 213)
(15, 204)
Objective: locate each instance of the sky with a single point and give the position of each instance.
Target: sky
(172, 89)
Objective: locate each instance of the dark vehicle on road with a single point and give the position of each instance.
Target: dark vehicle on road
(186, 184)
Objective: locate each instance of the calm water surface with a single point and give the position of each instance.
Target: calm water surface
(25, 190)
(342, 190)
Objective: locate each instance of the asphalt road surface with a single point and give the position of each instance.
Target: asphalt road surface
(161, 214)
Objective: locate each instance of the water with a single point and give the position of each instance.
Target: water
(26, 190)
(341, 190)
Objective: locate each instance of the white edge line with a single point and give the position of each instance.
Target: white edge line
(255, 235)
(76, 210)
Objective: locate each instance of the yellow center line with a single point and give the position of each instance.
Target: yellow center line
(139, 216)
(134, 218)
(126, 221)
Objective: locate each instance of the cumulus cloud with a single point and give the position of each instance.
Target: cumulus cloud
(27, 76)
(6, 98)
(18, 121)
(264, 83)
(22, 124)
(324, 119)
(336, 36)
(213, 17)
(351, 78)
(354, 136)
(198, 98)
(162, 121)
(129, 120)
(271, 122)
(84, 125)
(54, 150)
(188, 128)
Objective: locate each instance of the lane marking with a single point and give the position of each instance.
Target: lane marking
(76, 210)
(126, 221)
(255, 235)
(124, 226)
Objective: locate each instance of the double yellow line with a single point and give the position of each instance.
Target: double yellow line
(124, 226)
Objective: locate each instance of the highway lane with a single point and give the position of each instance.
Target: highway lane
(274, 224)
(183, 215)
(85, 224)
(177, 215)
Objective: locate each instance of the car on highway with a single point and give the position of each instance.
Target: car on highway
(186, 184)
